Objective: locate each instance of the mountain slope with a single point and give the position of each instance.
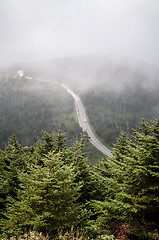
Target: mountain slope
(30, 106)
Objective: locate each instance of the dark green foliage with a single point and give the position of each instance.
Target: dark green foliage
(12, 162)
(130, 181)
(49, 191)
(49, 198)
(49, 187)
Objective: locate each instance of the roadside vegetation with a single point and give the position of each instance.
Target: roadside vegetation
(111, 112)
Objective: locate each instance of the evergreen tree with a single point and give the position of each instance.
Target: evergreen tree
(12, 164)
(49, 200)
(130, 182)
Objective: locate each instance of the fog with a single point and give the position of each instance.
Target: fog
(41, 30)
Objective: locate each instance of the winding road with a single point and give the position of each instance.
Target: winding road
(83, 121)
(84, 124)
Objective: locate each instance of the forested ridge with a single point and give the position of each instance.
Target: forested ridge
(29, 106)
(49, 187)
(111, 112)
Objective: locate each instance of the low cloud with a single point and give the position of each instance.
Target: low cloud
(41, 30)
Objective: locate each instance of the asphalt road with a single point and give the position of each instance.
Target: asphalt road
(84, 124)
(83, 121)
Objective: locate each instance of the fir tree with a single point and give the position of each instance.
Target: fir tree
(12, 164)
(48, 201)
(130, 182)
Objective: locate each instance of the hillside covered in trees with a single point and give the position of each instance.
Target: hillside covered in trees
(116, 95)
(49, 187)
(111, 112)
(29, 106)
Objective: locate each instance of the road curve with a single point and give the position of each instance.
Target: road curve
(84, 124)
(82, 120)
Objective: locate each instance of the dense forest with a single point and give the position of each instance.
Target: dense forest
(111, 112)
(29, 106)
(49, 190)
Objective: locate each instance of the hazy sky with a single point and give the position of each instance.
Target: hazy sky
(33, 30)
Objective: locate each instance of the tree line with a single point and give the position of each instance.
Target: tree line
(49, 187)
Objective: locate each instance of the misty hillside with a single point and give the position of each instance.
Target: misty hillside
(30, 106)
(85, 72)
(116, 95)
